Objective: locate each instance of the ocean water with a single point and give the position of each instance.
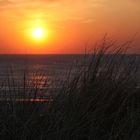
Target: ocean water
(41, 74)
(24, 74)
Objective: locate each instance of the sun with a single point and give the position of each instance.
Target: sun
(38, 33)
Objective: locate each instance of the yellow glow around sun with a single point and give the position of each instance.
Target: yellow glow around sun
(38, 33)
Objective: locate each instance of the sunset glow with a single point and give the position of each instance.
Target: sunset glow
(64, 26)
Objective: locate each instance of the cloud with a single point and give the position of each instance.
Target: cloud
(53, 10)
(5, 2)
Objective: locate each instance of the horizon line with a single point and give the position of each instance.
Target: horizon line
(62, 53)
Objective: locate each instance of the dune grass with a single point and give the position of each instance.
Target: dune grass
(100, 102)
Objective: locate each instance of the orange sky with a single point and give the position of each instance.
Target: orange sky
(69, 24)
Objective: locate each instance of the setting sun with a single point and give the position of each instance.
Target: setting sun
(38, 33)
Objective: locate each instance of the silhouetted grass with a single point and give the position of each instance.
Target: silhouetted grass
(101, 102)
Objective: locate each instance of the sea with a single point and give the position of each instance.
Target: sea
(38, 76)
(35, 76)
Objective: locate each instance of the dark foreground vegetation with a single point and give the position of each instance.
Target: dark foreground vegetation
(101, 102)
